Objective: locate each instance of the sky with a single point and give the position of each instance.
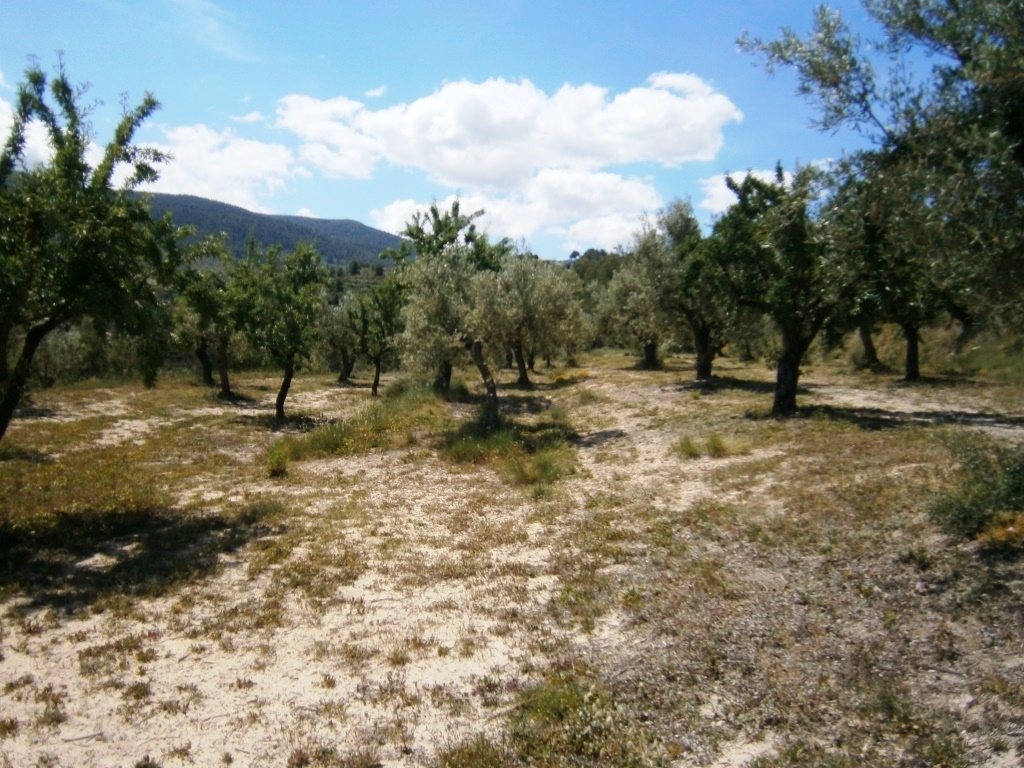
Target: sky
(568, 123)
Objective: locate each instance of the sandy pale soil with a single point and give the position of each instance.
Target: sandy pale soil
(449, 613)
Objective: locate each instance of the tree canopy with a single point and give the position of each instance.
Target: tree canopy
(71, 244)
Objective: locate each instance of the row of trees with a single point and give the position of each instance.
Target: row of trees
(927, 221)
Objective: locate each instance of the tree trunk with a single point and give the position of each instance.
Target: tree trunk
(204, 361)
(967, 328)
(913, 363)
(222, 364)
(289, 372)
(787, 375)
(524, 377)
(348, 363)
(870, 353)
(6, 327)
(490, 417)
(14, 384)
(443, 380)
(705, 352)
(376, 376)
(651, 356)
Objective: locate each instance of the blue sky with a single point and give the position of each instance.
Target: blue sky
(567, 122)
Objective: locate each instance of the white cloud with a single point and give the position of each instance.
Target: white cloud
(223, 166)
(376, 93)
(249, 117)
(498, 133)
(4, 85)
(536, 162)
(37, 149)
(580, 208)
(307, 212)
(718, 198)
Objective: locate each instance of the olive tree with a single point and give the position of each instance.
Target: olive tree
(71, 244)
(437, 237)
(776, 254)
(635, 305)
(449, 315)
(952, 119)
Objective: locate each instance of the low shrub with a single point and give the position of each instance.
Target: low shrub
(989, 492)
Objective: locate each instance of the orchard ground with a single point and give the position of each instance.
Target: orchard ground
(643, 571)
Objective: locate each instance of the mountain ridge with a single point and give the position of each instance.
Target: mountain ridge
(339, 241)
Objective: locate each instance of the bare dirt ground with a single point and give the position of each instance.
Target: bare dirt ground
(395, 604)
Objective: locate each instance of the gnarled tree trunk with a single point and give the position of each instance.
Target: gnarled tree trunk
(651, 361)
(912, 370)
(787, 374)
(376, 376)
(13, 386)
(490, 418)
(706, 351)
(222, 364)
(204, 361)
(524, 377)
(282, 394)
(870, 353)
(348, 363)
(443, 380)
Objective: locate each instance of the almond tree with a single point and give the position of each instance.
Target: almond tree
(71, 244)
(280, 296)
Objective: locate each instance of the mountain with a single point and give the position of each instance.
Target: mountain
(338, 240)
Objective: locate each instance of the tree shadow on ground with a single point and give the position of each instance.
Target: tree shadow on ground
(600, 438)
(235, 398)
(268, 421)
(729, 383)
(31, 455)
(71, 561)
(879, 418)
(28, 412)
(517, 403)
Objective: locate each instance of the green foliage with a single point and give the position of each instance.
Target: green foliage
(775, 253)
(950, 124)
(687, 448)
(568, 719)
(534, 456)
(277, 460)
(278, 301)
(989, 489)
(389, 422)
(71, 245)
(476, 752)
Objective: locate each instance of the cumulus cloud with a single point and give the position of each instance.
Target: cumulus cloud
(376, 93)
(499, 133)
(580, 208)
(718, 198)
(223, 166)
(535, 161)
(37, 149)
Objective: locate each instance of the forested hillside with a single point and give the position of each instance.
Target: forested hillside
(338, 240)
